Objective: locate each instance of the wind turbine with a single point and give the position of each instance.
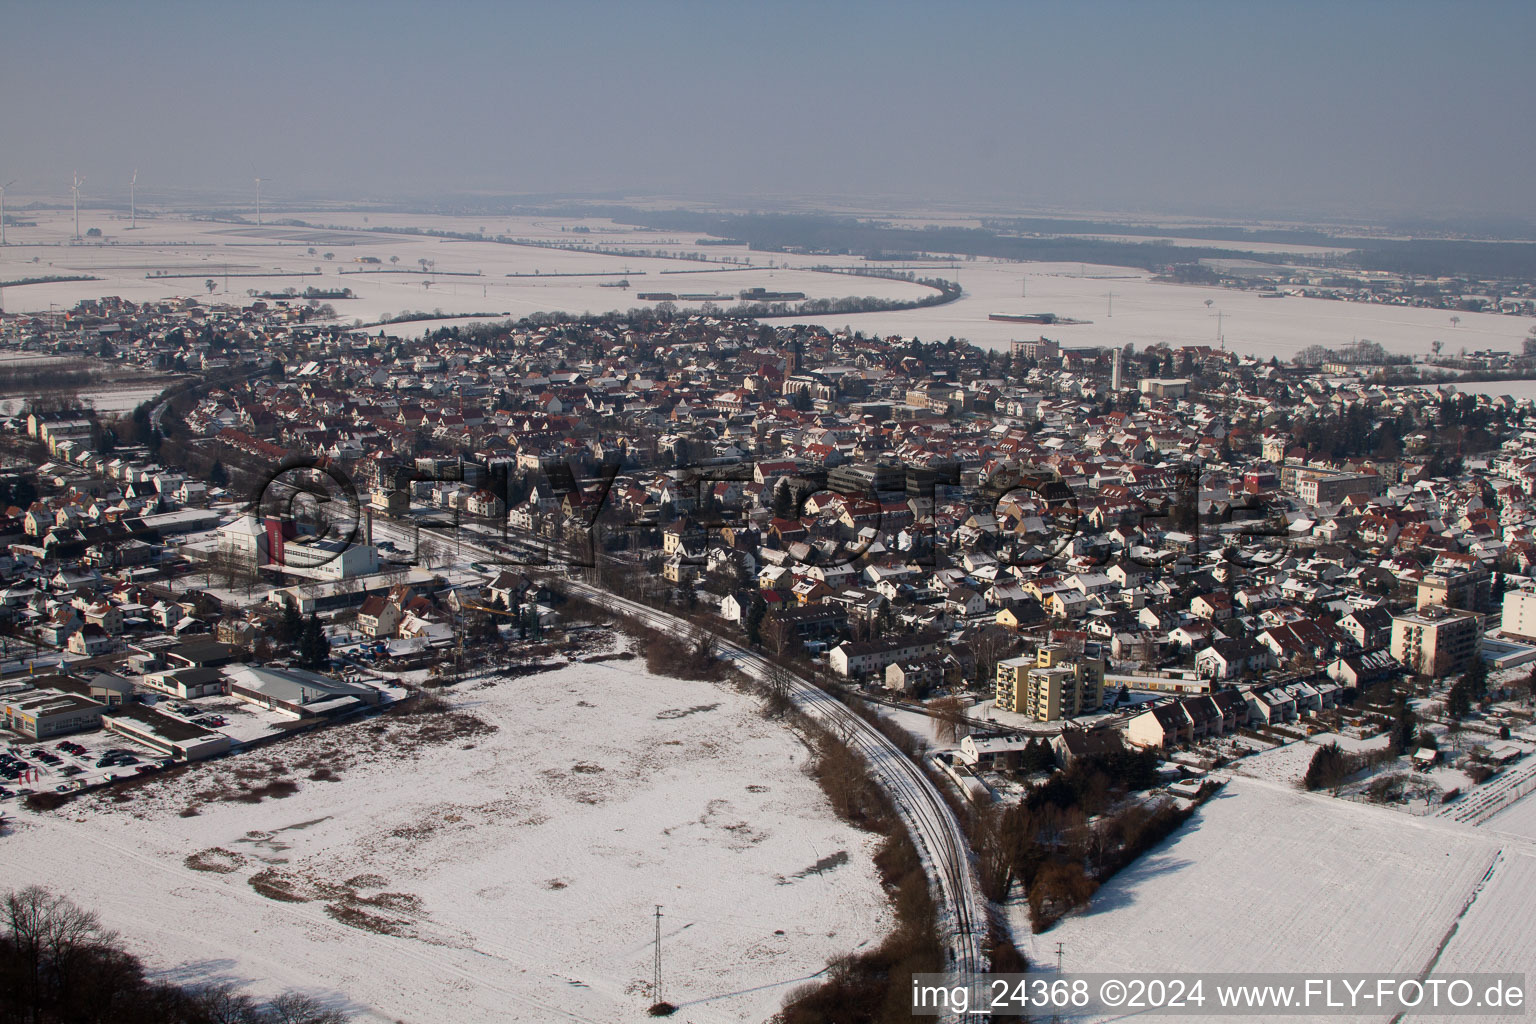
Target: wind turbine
(2, 208)
(133, 210)
(75, 188)
(258, 199)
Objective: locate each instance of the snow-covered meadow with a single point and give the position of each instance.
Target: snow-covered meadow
(493, 875)
(1141, 311)
(1266, 878)
(460, 276)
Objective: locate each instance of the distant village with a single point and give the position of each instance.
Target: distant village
(1203, 554)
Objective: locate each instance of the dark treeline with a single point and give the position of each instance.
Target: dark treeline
(58, 965)
(49, 373)
(49, 279)
(773, 232)
(1450, 257)
(784, 232)
(1071, 834)
(1418, 256)
(1352, 433)
(1214, 233)
(946, 291)
(1434, 257)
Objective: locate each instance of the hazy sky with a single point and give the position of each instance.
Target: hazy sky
(1223, 108)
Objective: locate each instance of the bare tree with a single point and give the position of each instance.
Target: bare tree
(48, 934)
(990, 644)
(949, 719)
(221, 1004)
(295, 1008)
(778, 685)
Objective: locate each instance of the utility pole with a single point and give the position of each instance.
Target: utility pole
(1056, 1018)
(656, 961)
(1111, 310)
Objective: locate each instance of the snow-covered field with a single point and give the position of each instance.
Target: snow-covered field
(467, 276)
(1498, 932)
(1143, 312)
(503, 876)
(1265, 878)
(121, 399)
(1519, 818)
(1516, 389)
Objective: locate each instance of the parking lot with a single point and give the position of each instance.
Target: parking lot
(70, 762)
(75, 760)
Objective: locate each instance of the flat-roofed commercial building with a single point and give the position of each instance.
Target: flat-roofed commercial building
(297, 691)
(39, 714)
(1326, 487)
(170, 736)
(866, 478)
(1164, 387)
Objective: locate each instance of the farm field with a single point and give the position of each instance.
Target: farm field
(1516, 389)
(1518, 819)
(496, 868)
(1498, 932)
(1141, 311)
(1265, 878)
(176, 257)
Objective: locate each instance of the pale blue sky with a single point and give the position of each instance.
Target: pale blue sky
(1225, 108)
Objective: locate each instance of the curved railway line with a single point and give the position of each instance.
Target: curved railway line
(941, 843)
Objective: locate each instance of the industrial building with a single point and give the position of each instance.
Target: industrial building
(172, 737)
(296, 691)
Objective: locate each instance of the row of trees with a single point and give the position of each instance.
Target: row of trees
(1072, 833)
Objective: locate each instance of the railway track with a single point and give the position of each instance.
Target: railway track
(941, 842)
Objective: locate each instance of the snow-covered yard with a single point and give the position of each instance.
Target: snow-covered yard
(495, 875)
